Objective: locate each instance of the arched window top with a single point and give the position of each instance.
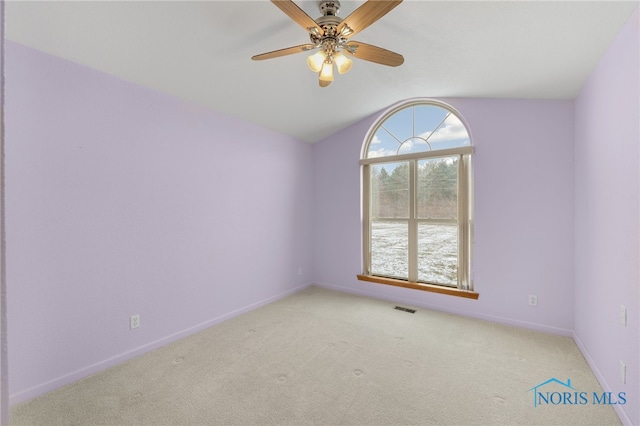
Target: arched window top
(416, 126)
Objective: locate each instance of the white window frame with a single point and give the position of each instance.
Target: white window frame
(465, 208)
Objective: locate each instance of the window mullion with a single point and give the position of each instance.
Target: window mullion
(366, 218)
(468, 222)
(470, 215)
(413, 223)
(463, 218)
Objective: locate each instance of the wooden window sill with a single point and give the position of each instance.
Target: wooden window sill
(420, 286)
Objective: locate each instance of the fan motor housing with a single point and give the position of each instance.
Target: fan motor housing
(329, 20)
(329, 24)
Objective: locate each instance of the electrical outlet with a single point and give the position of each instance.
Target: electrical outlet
(623, 315)
(134, 321)
(533, 300)
(623, 372)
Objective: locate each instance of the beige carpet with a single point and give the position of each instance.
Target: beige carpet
(325, 357)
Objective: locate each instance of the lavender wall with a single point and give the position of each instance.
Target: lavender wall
(523, 214)
(607, 197)
(121, 201)
(4, 367)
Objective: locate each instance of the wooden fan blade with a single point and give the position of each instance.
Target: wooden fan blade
(283, 52)
(298, 15)
(372, 53)
(366, 15)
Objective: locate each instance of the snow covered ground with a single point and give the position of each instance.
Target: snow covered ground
(437, 251)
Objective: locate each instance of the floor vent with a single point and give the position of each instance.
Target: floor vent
(403, 309)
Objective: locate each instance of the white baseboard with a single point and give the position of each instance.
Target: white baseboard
(501, 320)
(603, 382)
(81, 373)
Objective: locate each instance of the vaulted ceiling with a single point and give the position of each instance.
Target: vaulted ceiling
(200, 52)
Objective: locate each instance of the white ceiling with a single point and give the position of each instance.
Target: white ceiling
(200, 52)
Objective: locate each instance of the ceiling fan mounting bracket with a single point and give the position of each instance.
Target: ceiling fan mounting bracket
(329, 8)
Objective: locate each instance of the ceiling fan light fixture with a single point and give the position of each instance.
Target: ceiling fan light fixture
(315, 61)
(326, 73)
(342, 63)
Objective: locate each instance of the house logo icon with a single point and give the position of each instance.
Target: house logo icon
(539, 396)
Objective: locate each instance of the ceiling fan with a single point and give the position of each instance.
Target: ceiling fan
(331, 35)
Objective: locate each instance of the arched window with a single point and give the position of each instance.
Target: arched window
(417, 199)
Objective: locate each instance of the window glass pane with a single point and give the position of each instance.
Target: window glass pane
(414, 145)
(451, 134)
(389, 249)
(382, 145)
(438, 253)
(400, 124)
(418, 128)
(427, 119)
(390, 190)
(437, 190)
